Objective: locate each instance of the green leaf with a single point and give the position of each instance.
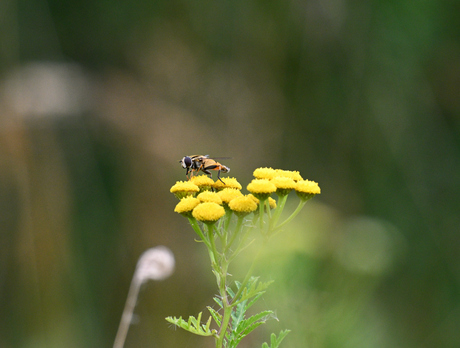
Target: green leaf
(230, 291)
(253, 288)
(208, 324)
(262, 317)
(217, 317)
(193, 325)
(218, 301)
(255, 299)
(241, 326)
(276, 341)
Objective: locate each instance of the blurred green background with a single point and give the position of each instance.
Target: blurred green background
(100, 99)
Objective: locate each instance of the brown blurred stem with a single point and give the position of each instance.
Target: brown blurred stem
(127, 315)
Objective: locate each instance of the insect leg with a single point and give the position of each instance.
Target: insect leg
(218, 177)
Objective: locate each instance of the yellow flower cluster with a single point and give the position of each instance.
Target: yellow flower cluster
(242, 205)
(208, 206)
(307, 189)
(285, 181)
(270, 173)
(261, 188)
(227, 194)
(186, 205)
(207, 200)
(208, 196)
(204, 182)
(184, 188)
(229, 183)
(208, 212)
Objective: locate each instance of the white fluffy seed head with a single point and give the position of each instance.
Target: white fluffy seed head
(155, 263)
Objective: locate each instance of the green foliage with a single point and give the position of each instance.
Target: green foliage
(193, 325)
(217, 317)
(241, 326)
(253, 289)
(275, 341)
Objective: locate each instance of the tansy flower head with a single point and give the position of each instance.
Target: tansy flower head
(184, 188)
(264, 173)
(227, 194)
(254, 198)
(229, 183)
(283, 184)
(242, 205)
(186, 205)
(204, 182)
(208, 196)
(261, 188)
(208, 212)
(294, 175)
(306, 189)
(271, 202)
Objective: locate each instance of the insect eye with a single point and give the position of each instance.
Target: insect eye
(187, 161)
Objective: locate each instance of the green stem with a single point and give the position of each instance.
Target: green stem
(279, 209)
(241, 244)
(221, 273)
(269, 214)
(247, 277)
(269, 211)
(235, 233)
(293, 215)
(224, 326)
(228, 217)
(198, 231)
(261, 213)
(212, 242)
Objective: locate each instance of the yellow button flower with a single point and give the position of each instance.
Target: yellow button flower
(261, 188)
(208, 212)
(306, 189)
(283, 184)
(204, 182)
(264, 173)
(207, 196)
(184, 188)
(242, 205)
(271, 202)
(227, 194)
(186, 205)
(228, 183)
(294, 175)
(254, 198)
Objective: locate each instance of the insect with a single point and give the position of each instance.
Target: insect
(195, 163)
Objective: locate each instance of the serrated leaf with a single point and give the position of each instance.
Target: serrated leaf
(252, 289)
(193, 325)
(208, 324)
(231, 292)
(260, 317)
(241, 327)
(218, 301)
(238, 314)
(276, 341)
(217, 317)
(254, 300)
(237, 338)
(249, 329)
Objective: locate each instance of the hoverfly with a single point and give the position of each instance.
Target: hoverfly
(195, 163)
